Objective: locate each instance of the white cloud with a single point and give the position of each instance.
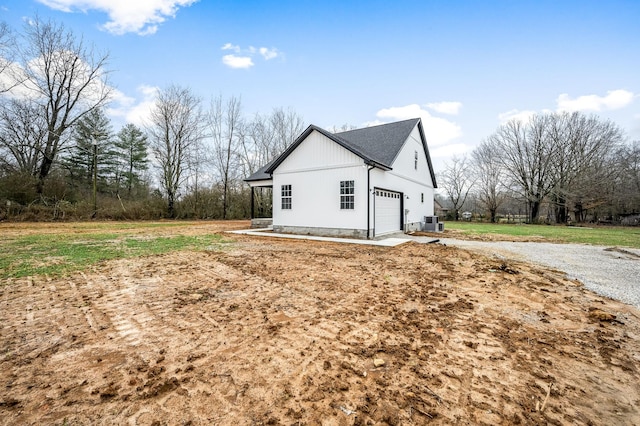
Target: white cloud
(515, 114)
(120, 106)
(614, 99)
(132, 110)
(451, 108)
(243, 58)
(268, 54)
(234, 61)
(12, 73)
(229, 46)
(439, 131)
(136, 16)
(15, 78)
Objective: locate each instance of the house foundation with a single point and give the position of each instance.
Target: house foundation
(322, 232)
(264, 222)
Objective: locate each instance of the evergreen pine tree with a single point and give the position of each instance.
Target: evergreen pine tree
(93, 128)
(131, 145)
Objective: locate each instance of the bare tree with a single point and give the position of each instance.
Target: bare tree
(287, 126)
(23, 132)
(174, 130)
(456, 181)
(489, 178)
(257, 142)
(8, 48)
(267, 136)
(343, 128)
(584, 146)
(226, 124)
(633, 169)
(263, 139)
(565, 158)
(615, 191)
(631, 177)
(197, 164)
(65, 78)
(526, 154)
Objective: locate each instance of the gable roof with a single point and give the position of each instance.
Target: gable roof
(383, 142)
(377, 145)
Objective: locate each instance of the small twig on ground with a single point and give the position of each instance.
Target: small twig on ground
(346, 410)
(438, 399)
(547, 397)
(424, 413)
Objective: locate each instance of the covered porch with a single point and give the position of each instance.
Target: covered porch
(261, 203)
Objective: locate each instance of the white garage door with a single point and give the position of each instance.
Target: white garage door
(387, 212)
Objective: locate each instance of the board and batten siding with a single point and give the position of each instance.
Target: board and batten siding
(314, 171)
(412, 182)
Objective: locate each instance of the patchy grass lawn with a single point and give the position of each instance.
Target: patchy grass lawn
(622, 236)
(63, 248)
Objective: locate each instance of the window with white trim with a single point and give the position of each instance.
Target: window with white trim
(347, 195)
(285, 192)
(415, 161)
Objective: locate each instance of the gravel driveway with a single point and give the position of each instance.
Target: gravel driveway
(612, 272)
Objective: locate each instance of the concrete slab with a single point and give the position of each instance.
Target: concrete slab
(387, 242)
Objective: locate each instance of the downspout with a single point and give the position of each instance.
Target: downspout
(369, 200)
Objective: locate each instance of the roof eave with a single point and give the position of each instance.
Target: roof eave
(257, 179)
(377, 165)
(426, 151)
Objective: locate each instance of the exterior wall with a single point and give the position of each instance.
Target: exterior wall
(314, 171)
(416, 185)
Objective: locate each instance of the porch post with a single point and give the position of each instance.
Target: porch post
(252, 202)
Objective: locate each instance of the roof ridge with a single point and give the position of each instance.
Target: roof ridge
(379, 125)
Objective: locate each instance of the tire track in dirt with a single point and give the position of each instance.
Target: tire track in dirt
(296, 332)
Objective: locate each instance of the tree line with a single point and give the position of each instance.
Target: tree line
(554, 168)
(60, 157)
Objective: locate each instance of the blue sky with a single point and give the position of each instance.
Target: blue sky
(463, 66)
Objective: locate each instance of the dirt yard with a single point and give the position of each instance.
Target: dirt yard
(283, 332)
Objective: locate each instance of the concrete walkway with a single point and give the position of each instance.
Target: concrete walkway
(268, 232)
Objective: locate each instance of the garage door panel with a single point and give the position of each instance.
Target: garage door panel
(387, 211)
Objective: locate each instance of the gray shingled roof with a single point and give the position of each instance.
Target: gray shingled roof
(380, 143)
(376, 145)
(261, 173)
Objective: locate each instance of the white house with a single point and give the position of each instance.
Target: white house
(361, 183)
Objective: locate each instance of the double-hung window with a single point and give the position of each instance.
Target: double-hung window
(285, 192)
(347, 197)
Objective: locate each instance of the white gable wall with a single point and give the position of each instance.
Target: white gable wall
(410, 181)
(314, 171)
